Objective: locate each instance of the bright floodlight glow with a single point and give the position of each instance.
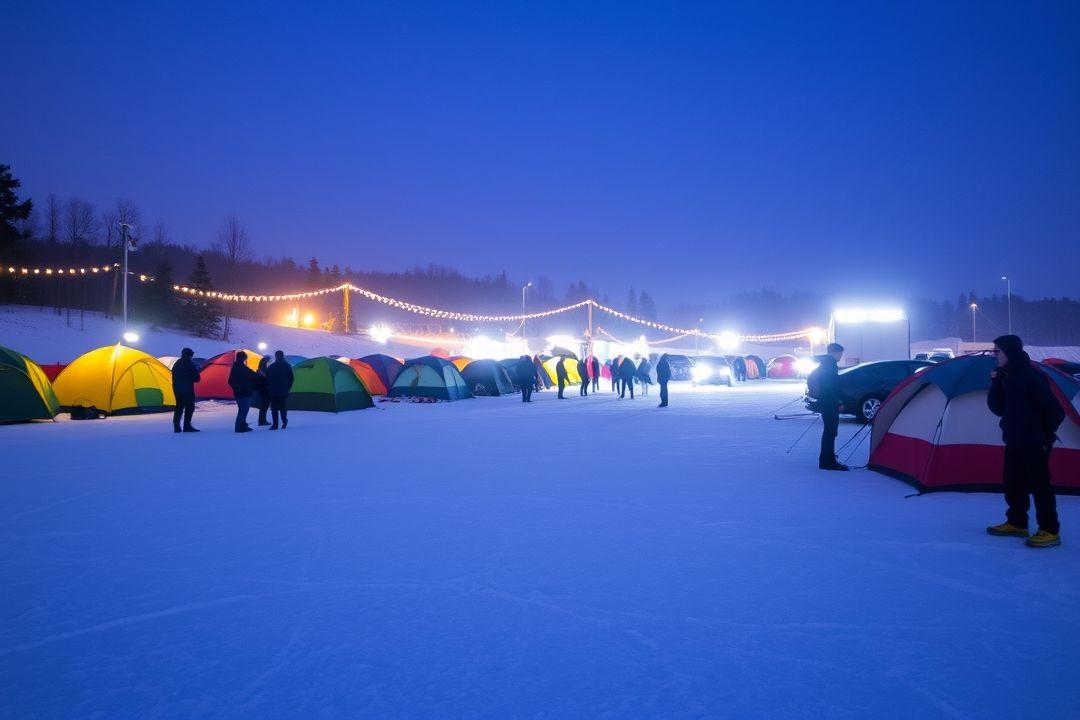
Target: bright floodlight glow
(817, 335)
(850, 315)
(482, 347)
(380, 333)
(886, 315)
(131, 337)
(309, 319)
(261, 346)
(562, 340)
(806, 365)
(728, 341)
(701, 373)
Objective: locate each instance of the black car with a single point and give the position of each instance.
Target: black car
(711, 370)
(863, 387)
(680, 366)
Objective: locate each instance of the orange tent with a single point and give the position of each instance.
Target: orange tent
(369, 377)
(460, 361)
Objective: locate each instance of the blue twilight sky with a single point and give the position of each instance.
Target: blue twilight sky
(693, 149)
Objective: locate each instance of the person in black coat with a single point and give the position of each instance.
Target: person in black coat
(526, 377)
(644, 371)
(1030, 416)
(627, 373)
(540, 374)
(561, 375)
(583, 372)
(279, 381)
(260, 398)
(184, 376)
(663, 377)
(594, 364)
(616, 365)
(827, 381)
(242, 380)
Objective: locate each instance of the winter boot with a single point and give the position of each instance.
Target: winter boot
(189, 428)
(1007, 529)
(834, 465)
(1043, 539)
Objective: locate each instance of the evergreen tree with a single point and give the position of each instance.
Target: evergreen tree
(201, 315)
(632, 303)
(159, 304)
(646, 306)
(11, 210)
(315, 279)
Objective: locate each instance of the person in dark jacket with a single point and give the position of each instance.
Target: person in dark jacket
(644, 373)
(627, 373)
(594, 365)
(184, 376)
(540, 375)
(583, 372)
(613, 371)
(279, 381)
(260, 398)
(663, 377)
(1030, 416)
(561, 375)
(526, 376)
(739, 368)
(242, 380)
(827, 376)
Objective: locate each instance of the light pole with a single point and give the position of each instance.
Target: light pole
(974, 307)
(699, 321)
(524, 287)
(128, 243)
(1008, 295)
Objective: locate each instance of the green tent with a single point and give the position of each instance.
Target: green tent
(327, 385)
(25, 391)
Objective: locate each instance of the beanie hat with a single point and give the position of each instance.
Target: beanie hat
(1011, 345)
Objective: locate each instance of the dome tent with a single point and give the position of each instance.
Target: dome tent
(371, 379)
(214, 375)
(385, 366)
(572, 375)
(936, 432)
(783, 367)
(117, 380)
(488, 377)
(25, 391)
(327, 385)
(510, 366)
(755, 367)
(460, 361)
(430, 377)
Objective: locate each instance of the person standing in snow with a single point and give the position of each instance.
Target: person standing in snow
(627, 373)
(539, 374)
(614, 367)
(583, 373)
(526, 377)
(826, 383)
(663, 377)
(644, 373)
(1030, 415)
(279, 381)
(184, 376)
(561, 376)
(242, 380)
(594, 366)
(260, 398)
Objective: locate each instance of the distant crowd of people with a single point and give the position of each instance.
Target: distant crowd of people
(266, 389)
(623, 372)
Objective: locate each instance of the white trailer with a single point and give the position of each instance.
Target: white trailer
(871, 334)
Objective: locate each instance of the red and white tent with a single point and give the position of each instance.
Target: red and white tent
(935, 431)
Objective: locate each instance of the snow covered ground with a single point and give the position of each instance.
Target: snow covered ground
(585, 558)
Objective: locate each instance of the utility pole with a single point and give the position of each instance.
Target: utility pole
(1008, 295)
(974, 307)
(524, 287)
(125, 239)
(345, 330)
(590, 327)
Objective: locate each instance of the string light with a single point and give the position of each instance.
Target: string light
(18, 271)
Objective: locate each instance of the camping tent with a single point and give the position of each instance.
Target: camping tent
(739, 370)
(371, 379)
(755, 367)
(324, 384)
(430, 377)
(387, 367)
(117, 380)
(441, 353)
(1065, 366)
(168, 360)
(510, 366)
(460, 361)
(572, 375)
(25, 391)
(487, 377)
(52, 370)
(784, 367)
(214, 375)
(295, 360)
(936, 432)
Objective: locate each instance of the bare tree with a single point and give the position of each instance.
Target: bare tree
(80, 223)
(127, 212)
(161, 233)
(30, 226)
(110, 228)
(235, 246)
(53, 212)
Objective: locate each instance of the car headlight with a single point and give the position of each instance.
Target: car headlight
(725, 371)
(701, 372)
(805, 366)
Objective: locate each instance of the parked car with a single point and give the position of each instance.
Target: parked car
(937, 355)
(864, 387)
(711, 370)
(681, 366)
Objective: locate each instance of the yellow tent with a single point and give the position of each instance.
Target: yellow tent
(116, 379)
(572, 375)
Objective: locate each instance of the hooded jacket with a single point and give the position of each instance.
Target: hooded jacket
(1020, 395)
(184, 376)
(827, 380)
